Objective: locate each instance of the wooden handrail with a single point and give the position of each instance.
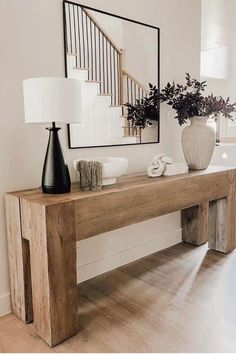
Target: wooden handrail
(125, 73)
(101, 30)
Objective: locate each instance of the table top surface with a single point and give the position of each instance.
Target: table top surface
(125, 182)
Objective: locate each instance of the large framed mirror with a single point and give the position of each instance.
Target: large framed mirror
(117, 60)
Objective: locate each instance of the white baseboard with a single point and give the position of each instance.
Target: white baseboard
(115, 260)
(5, 304)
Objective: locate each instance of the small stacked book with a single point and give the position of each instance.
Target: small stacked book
(175, 168)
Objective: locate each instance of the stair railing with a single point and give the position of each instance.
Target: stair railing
(97, 53)
(94, 50)
(133, 90)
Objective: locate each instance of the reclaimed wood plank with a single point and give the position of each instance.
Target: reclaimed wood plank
(96, 214)
(194, 223)
(53, 267)
(222, 220)
(19, 262)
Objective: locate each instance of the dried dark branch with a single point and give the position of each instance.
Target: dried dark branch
(145, 111)
(188, 101)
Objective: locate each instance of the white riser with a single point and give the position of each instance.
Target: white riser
(94, 85)
(70, 62)
(81, 75)
(105, 101)
(90, 88)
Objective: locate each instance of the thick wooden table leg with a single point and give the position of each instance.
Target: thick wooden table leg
(53, 269)
(222, 236)
(19, 262)
(194, 222)
(222, 225)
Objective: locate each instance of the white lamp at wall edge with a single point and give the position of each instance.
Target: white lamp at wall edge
(50, 100)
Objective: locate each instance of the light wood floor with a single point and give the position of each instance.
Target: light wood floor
(182, 299)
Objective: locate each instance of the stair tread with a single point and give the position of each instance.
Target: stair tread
(77, 68)
(93, 81)
(104, 94)
(130, 136)
(73, 54)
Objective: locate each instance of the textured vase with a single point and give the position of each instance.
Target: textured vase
(198, 142)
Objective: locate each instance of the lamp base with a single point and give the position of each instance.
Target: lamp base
(54, 190)
(56, 177)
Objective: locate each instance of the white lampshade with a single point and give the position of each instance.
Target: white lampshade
(51, 99)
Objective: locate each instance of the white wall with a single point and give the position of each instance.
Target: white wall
(112, 26)
(31, 46)
(142, 64)
(224, 155)
(218, 65)
(219, 51)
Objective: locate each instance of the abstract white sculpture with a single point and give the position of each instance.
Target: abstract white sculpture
(165, 165)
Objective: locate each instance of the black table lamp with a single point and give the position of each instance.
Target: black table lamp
(50, 100)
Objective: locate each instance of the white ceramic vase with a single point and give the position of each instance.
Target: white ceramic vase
(198, 142)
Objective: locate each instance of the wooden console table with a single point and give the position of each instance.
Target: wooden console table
(43, 230)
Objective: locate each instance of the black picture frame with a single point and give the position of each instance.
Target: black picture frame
(66, 74)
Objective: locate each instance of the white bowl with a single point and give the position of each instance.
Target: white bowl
(112, 167)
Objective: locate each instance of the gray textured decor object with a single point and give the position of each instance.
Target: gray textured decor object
(90, 173)
(96, 176)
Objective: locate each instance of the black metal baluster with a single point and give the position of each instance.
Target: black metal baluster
(114, 66)
(95, 51)
(118, 78)
(111, 81)
(66, 25)
(82, 20)
(79, 41)
(103, 59)
(71, 47)
(131, 89)
(107, 68)
(91, 39)
(100, 62)
(127, 97)
(133, 92)
(87, 41)
(76, 58)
